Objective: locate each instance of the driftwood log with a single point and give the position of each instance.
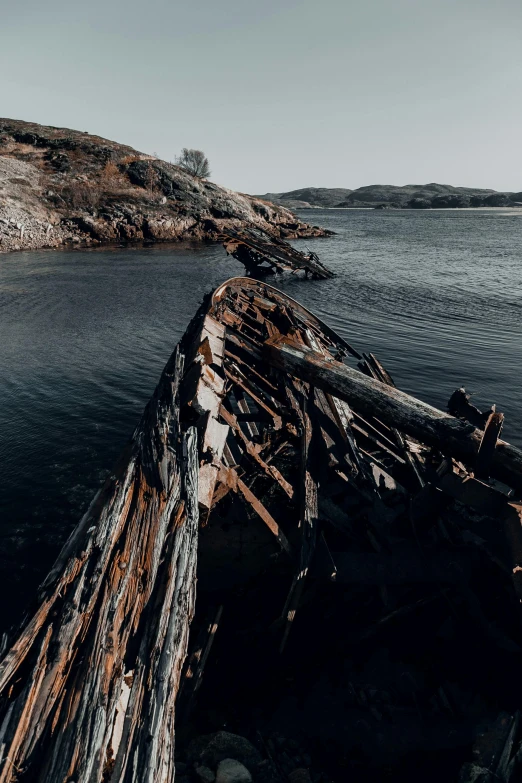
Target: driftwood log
(395, 408)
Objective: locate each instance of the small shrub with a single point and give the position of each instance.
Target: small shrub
(81, 195)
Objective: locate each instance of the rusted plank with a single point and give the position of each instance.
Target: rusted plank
(243, 384)
(265, 515)
(261, 381)
(135, 548)
(253, 451)
(238, 485)
(253, 249)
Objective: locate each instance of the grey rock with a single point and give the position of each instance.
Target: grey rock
(210, 749)
(232, 771)
(205, 774)
(266, 772)
(70, 188)
(300, 776)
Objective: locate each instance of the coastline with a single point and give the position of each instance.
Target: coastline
(61, 187)
(517, 209)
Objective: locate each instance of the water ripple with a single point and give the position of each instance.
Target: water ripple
(85, 335)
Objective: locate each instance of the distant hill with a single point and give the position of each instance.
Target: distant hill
(428, 196)
(308, 197)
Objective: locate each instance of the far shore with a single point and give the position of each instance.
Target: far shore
(517, 209)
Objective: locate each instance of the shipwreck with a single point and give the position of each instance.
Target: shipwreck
(288, 540)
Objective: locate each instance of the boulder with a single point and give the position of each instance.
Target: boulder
(210, 749)
(300, 776)
(232, 771)
(205, 774)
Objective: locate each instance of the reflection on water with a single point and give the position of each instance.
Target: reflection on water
(85, 334)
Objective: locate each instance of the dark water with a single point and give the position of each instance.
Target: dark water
(85, 334)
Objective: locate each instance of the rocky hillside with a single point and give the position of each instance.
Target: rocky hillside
(308, 197)
(59, 186)
(428, 196)
(420, 196)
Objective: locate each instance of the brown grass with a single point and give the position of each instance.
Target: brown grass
(81, 194)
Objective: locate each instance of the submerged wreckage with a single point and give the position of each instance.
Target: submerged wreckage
(358, 577)
(262, 255)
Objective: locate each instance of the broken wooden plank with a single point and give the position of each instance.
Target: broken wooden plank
(253, 249)
(244, 384)
(253, 451)
(195, 668)
(135, 548)
(416, 418)
(309, 516)
(488, 444)
(230, 476)
(459, 405)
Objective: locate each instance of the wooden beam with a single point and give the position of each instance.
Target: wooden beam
(395, 408)
(253, 451)
(309, 515)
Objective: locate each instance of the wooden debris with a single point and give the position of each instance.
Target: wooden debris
(262, 254)
(285, 474)
(309, 513)
(395, 408)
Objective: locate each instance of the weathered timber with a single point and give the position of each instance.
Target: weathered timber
(253, 451)
(395, 408)
(309, 514)
(459, 405)
(129, 568)
(488, 444)
(375, 500)
(493, 756)
(193, 674)
(260, 253)
(375, 369)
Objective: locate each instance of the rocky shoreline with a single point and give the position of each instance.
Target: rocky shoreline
(60, 187)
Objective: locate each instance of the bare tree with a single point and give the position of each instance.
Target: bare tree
(150, 177)
(194, 162)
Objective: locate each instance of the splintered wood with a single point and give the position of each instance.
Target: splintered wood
(68, 679)
(262, 255)
(375, 510)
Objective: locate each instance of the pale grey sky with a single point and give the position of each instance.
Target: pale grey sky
(281, 94)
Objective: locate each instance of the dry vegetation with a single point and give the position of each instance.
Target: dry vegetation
(94, 190)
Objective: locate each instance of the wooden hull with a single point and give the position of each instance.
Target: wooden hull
(89, 687)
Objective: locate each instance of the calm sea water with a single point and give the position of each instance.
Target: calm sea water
(85, 335)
